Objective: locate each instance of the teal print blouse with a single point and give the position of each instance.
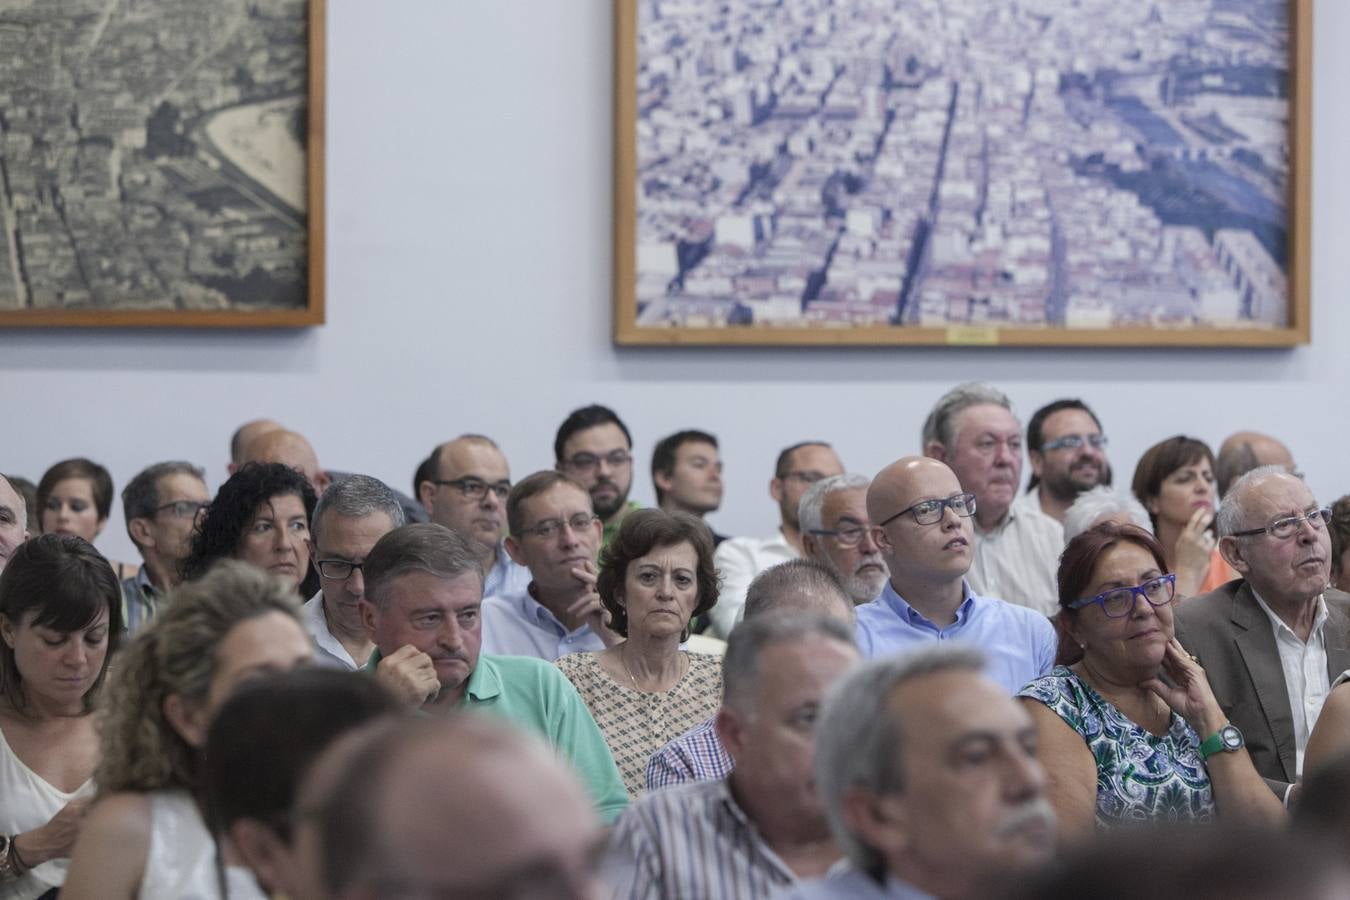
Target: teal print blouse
(1141, 778)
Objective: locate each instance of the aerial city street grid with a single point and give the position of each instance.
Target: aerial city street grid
(1010, 163)
(152, 154)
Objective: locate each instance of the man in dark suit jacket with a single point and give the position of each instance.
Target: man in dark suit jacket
(1272, 533)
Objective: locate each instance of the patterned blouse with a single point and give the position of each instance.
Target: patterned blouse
(1140, 777)
(635, 723)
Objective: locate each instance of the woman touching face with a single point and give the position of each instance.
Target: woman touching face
(1183, 492)
(1125, 631)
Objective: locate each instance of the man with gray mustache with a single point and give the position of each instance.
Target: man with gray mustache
(928, 774)
(837, 534)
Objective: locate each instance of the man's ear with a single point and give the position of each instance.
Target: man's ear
(935, 450)
(882, 540)
(368, 614)
(663, 481)
(1037, 460)
(321, 482)
(810, 544)
(1230, 548)
(140, 533)
(730, 728)
(881, 822)
(776, 489)
(425, 492)
(7, 631)
(263, 851)
(186, 719)
(513, 550)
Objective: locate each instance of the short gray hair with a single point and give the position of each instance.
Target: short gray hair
(938, 426)
(749, 640)
(787, 584)
(859, 737)
(1100, 501)
(140, 498)
(1232, 515)
(420, 547)
(355, 497)
(809, 511)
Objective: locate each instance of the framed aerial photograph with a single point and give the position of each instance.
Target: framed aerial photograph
(161, 163)
(1014, 172)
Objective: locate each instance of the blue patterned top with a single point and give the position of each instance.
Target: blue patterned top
(1140, 777)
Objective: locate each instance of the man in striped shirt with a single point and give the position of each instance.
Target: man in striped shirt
(761, 828)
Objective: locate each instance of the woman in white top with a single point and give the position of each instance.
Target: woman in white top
(60, 618)
(145, 836)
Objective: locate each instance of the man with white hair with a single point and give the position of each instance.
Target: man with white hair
(1103, 504)
(929, 778)
(837, 533)
(1272, 641)
(973, 430)
(13, 520)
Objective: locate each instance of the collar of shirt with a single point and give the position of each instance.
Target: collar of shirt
(912, 616)
(536, 613)
(143, 582)
(1279, 626)
(312, 610)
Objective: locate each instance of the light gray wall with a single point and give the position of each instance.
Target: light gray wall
(469, 289)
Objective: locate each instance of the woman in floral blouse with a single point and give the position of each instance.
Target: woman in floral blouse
(1131, 732)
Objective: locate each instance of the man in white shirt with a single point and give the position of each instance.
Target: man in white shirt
(350, 518)
(740, 559)
(973, 430)
(1067, 451)
(1272, 642)
(463, 485)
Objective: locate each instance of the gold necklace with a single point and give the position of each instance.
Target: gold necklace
(623, 658)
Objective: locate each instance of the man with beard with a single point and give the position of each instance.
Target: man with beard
(837, 533)
(740, 559)
(1068, 456)
(594, 448)
(973, 430)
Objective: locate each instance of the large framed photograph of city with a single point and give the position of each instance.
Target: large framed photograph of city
(161, 162)
(1015, 172)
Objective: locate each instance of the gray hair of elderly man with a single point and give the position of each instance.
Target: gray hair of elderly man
(1232, 515)
(355, 497)
(798, 586)
(938, 426)
(1092, 505)
(859, 741)
(810, 510)
(420, 547)
(749, 640)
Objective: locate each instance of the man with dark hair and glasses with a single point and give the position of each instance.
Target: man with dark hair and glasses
(1067, 451)
(161, 504)
(463, 485)
(1274, 640)
(555, 538)
(740, 559)
(837, 534)
(923, 529)
(594, 449)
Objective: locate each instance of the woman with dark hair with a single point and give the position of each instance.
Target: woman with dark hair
(1175, 481)
(261, 516)
(1131, 732)
(60, 620)
(655, 576)
(1339, 530)
(75, 497)
(253, 768)
(146, 837)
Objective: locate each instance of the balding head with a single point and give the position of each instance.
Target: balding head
(246, 434)
(1247, 450)
(400, 822)
(929, 554)
(289, 449)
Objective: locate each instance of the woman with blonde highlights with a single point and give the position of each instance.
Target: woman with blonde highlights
(145, 837)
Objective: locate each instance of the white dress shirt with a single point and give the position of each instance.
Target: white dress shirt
(1018, 560)
(1305, 672)
(739, 560)
(329, 651)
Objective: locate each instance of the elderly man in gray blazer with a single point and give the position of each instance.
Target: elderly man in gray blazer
(1273, 641)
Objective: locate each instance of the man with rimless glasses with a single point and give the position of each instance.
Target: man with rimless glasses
(923, 530)
(1272, 641)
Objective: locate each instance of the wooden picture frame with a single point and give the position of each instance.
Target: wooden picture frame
(759, 293)
(164, 166)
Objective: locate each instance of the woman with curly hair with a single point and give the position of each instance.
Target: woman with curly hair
(60, 620)
(145, 836)
(261, 516)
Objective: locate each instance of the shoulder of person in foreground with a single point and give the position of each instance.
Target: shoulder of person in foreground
(110, 854)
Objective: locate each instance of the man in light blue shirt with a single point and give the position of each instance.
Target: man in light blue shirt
(924, 533)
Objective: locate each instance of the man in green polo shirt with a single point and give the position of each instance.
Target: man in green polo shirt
(424, 588)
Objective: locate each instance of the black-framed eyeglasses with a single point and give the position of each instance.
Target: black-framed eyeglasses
(182, 509)
(1282, 529)
(588, 462)
(1075, 442)
(550, 528)
(476, 488)
(929, 512)
(1119, 602)
(845, 533)
(338, 569)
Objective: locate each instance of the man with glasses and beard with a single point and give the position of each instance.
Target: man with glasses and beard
(593, 448)
(1067, 451)
(837, 533)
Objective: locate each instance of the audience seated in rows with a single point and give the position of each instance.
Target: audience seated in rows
(687, 475)
(740, 559)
